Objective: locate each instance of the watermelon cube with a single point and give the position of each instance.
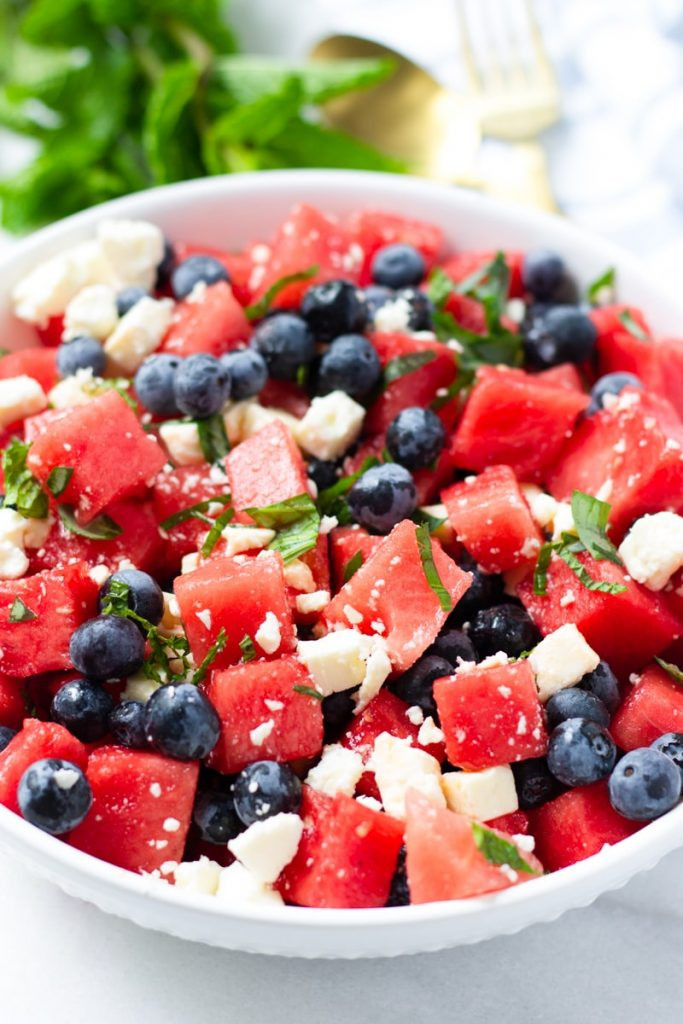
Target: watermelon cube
(346, 542)
(39, 363)
(12, 703)
(213, 321)
(239, 265)
(175, 490)
(516, 823)
(35, 741)
(373, 229)
(652, 706)
(265, 469)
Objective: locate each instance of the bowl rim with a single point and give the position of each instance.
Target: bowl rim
(618, 862)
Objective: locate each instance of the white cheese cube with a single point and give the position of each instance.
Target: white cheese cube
(398, 767)
(298, 575)
(139, 688)
(377, 669)
(47, 289)
(341, 659)
(429, 733)
(330, 425)
(338, 771)
(652, 550)
(242, 419)
(483, 795)
(12, 527)
(394, 316)
(13, 561)
(246, 538)
(92, 312)
(19, 397)
(542, 506)
(182, 443)
(200, 876)
(267, 846)
(268, 636)
(561, 659)
(133, 248)
(237, 887)
(138, 333)
(311, 604)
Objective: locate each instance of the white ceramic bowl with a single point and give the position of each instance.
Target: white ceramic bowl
(228, 212)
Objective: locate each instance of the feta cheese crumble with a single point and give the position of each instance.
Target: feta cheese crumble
(652, 550)
(482, 795)
(338, 771)
(266, 847)
(398, 767)
(331, 424)
(560, 660)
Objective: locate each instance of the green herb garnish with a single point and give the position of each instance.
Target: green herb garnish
(247, 648)
(424, 547)
(308, 691)
(332, 501)
(197, 511)
(214, 650)
(423, 518)
(259, 309)
(499, 851)
(606, 280)
(22, 490)
(213, 440)
(58, 480)
(403, 365)
(214, 534)
(672, 670)
(297, 522)
(100, 528)
(625, 317)
(352, 566)
(20, 612)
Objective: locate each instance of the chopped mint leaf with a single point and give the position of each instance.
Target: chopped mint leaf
(100, 528)
(424, 547)
(214, 534)
(403, 365)
(545, 556)
(499, 851)
(489, 285)
(352, 566)
(116, 601)
(568, 556)
(332, 501)
(633, 328)
(247, 648)
(423, 518)
(440, 287)
(308, 691)
(212, 438)
(672, 670)
(58, 480)
(214, 650)
(297, 522)
(591, 517)
(197, 511)
(22, 490)
(258, 310)
(605, 281)
(20, 612)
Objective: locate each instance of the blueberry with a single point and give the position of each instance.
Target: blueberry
(416, 686)
(611, 384)
(6, 734)
(196, 269)
(248, 372)
(411, 308)
(165, 267)
(322, 472)
(564, 335)
(83, 708)
(505, 627)
(350, 364)
(416, 437)
(82, 353)
(399, 893)
(603, 683)
(201, 386)
(671, 744)
(545, 276)
(286, 343)
(129, 297)
(332, 308)
(155, 384)
(534, 783)
(421, 308)
(181, 722)
(337, 711)
(127, 724)
(398, 266)
(382, 497)
(575, 703)
(145, 596)
(107, 647)
(265, 788)
(54, 795)
(645, 784)
(485, 590)
(580, 752)
(455, 646)
(216, 818)
(376, 296)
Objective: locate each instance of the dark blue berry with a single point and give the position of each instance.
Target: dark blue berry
(416, 686)
(350, 364)
(376, 296)
(145, 596)
(127, 724)
(455, 646)
(382, 497)
(196, 269)
(165, 268)
(201, 386)
(332, 308)
(564, 335)
(322, 472)
(107, 647)
(248, 372)
(645, 784)
(266, 788)
(285, 342)
(82, 353)
(603, 683)
(580, 752)
(545, 276)
(671, 744)
(83, 708)
(411, 301)
(415, 437)
(181, 722)
(129, 297)
(485, 590)
(216, 818)
(399, 893)
(155, 384)
(337, 711)
(6, 734)
(575, 703)
(506, 628)
(54, 795)
(611, 384)
(398, 266)
(534, 783)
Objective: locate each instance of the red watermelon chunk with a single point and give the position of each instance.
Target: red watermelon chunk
(390, 589)
(491, 715)
(246, 697)
(177, 489)
(513, 418)
(565, 375)
(443, 861)
(234, 594)
(105, 445)
(492, 520)
(516, 823)
(50, 333)
(345, 543)
(35, 741)
(373, 229)
(61, 600)
(12, 703)
(213, 321)
(239, 265)
(347, 855)
(626, 629)
(652, 706)
(39, 363)
(266, 468)
(576, 825)
(142, 808)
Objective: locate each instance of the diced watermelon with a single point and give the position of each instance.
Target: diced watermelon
(234, 595)
(266, 468)
(142, 807)
(373, 229)
(626, 629)
(35, 741)
(652, 706)
(286, 395)
(345, 543)
(669, 355)
(492, 520)
(61, 600)
(491, 716)
(39, 363)
(513, 418)
(50, 333)
(238, 265)
(391, 588)
(617, 348)
(443, 861)
(92, 439)
(39, 424)
(516, 823)
(347, 855)
(576, 825)
(177, 489)
(212, 322)
(565, 375)
(12, 703)
(247, 696)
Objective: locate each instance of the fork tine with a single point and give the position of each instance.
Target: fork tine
(470, 62)
(541, 67)
(518, 56)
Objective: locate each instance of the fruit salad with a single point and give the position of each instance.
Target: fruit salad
(343, 570)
